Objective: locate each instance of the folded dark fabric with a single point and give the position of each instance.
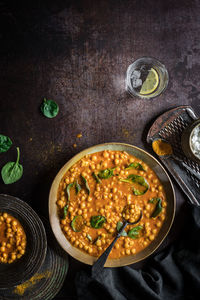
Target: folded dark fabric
(173, 274)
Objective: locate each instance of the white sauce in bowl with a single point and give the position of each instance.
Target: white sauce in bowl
(195, 141)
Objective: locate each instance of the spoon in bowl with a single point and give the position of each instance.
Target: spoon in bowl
(100, 262)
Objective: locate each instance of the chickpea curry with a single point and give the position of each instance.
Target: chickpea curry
(101, 190)
(12, 239)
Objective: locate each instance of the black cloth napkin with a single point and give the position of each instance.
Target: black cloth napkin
(174, 273)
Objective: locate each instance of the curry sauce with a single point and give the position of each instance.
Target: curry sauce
(101, 190)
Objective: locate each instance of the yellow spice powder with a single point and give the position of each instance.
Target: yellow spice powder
(20, 289)
(161, 147)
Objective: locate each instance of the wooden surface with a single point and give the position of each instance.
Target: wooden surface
(77, 53)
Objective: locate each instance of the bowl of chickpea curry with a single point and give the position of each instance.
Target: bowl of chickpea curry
(23, 241)
(99, 188)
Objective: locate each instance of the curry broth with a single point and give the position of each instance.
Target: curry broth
(82, 192)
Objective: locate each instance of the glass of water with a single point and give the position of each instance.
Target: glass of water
(146, 78)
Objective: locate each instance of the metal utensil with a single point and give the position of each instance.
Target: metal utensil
(99, 264)
(193, 172)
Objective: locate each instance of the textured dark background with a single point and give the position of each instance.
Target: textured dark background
(77, 53)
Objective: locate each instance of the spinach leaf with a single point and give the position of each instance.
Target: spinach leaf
(49, 108)
(134, 232)
(97, 221)
(132, 178)
(89, 237)
(96, 177)
(136, 166)
(12, 171)
(77, 187)
(65, 209)
(86, 184)
(105, 174)
(5, 143)
(139, 179)
(158, 207)
(68, 190)
(119, 226)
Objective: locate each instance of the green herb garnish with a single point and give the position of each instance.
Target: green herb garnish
(132, 178)
(105, 174)
(5, 143)
(119, 226)
(77, 187)
(68, 190)
(158, 207)
(134, 232)
(86, 184)
(96, 177)
(12, 171)
(136, 166)
(49, 108)
(65, 209)
(97, 221)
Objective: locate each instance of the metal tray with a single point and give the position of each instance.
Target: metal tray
(170, 126)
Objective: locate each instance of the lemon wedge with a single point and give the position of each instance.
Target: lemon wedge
(151, 83)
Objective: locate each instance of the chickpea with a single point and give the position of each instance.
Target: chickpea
(133, 250)
(76, 243)
(158, 224)
(90, 250)
(94, 158)
(83, 205)
(3, 249)
(5, 215)
(128, 251)
(151, 237)
(123, 252)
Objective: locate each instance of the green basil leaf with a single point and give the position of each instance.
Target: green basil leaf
(158, 207)
(97, 221)
(12, 171)
(105, 174)
(89, 237)
(49, 108)
(134, 232)
(119, 226)
(136, 166)
(5, 143)
(96, 177)
(77, 187)
(68, 190)
(86, 184)
(65, 209)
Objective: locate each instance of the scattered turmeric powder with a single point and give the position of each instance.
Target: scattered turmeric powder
(79, 135)
(161, 147)
(20, 289)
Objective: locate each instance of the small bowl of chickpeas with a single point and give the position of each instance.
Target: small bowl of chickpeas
(97, 190)
(22, 242)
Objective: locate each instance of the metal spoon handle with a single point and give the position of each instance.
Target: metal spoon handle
(99, 264)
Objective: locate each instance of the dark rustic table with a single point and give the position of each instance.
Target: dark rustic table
(77, 53)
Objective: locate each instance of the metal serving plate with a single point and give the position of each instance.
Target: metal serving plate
(161, 173)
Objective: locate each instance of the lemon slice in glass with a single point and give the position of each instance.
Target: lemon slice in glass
(151, 83)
